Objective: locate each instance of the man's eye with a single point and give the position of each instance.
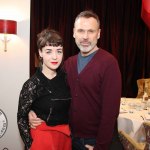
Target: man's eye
(80, 31)
(91, 31)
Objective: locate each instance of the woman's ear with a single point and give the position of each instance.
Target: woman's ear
(40, 52)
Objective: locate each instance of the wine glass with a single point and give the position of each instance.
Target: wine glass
(131, 107)
(123, 100)
(148, 106)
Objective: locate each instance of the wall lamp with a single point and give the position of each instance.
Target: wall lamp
(7, 27)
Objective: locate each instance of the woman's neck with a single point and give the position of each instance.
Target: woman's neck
(50, 74)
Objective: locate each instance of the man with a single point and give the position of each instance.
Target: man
(95, 83)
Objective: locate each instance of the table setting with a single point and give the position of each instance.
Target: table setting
(133, 112)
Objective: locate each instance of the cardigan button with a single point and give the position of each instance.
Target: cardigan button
(49, 91)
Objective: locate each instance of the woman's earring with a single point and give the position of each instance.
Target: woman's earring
(40, 58)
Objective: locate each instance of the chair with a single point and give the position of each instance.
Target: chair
(147, 131)
(129, 143)
(143, 84)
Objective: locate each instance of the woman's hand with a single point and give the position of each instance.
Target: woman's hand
(89, 147)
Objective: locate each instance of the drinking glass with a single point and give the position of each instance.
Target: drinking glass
(131, 107)
(123, 100)
(148, 106)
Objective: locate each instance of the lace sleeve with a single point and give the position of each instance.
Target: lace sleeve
(26, 98)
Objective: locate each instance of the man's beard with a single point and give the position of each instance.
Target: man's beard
(86, 49)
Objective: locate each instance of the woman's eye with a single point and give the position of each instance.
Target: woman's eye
(59, 52)
(48, 51)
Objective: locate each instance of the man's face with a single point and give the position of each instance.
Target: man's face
(86, 34)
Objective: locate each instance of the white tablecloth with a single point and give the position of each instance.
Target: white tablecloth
(132, 122)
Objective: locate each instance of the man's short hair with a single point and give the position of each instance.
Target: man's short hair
(88, 14)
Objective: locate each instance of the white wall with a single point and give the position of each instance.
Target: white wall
(14, 68)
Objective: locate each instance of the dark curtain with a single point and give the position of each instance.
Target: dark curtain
(123, 33)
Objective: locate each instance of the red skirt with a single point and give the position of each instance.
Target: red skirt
(51, 138)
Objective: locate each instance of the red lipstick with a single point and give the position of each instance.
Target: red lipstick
(54, 63)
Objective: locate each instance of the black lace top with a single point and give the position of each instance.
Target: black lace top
(50, 99)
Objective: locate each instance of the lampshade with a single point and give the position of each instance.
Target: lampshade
(8, 26)
(145, 12)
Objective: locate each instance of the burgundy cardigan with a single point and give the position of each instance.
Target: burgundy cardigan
(96, 93)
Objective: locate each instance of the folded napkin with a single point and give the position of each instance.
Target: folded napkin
(123, 110)
(147, 116)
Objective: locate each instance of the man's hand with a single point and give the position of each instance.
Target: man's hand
(89, 147)
(34, 121)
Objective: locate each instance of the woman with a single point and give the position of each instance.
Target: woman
(47, 94)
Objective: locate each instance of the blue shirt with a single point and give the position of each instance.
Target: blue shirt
(84, 60)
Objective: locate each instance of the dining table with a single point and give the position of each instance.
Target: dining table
(133, 112)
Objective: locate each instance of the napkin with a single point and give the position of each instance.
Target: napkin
(147, 116)
(123, 110)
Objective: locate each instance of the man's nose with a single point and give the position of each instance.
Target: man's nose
(85, 35)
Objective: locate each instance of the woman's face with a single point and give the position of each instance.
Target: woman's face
(52, 57)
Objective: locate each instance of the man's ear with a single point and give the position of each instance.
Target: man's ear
(99, 34)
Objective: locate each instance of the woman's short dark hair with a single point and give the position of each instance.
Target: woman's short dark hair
(49, 37)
